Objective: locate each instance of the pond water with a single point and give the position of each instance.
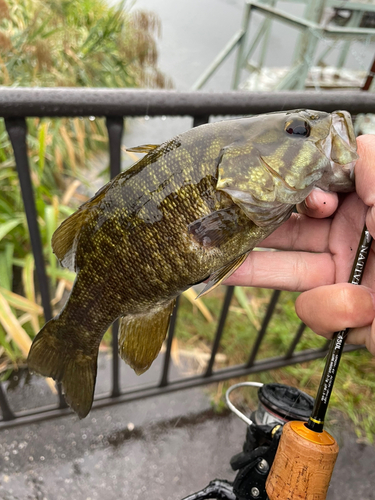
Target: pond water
(195, 31)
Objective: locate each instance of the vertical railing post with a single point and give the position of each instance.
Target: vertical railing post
(220, 329)
(115, 127)
(263, 329)
(167, 356)
(4, 405)
(241, 46)
(17, 131)
(295, 341)
(200, 120)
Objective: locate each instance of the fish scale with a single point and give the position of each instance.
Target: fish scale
(190, 210)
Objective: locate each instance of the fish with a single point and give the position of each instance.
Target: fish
(189, 211)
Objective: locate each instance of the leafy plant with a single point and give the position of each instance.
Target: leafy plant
(69, 43)
(58, 43)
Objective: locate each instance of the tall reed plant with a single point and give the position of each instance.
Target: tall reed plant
(58, 43)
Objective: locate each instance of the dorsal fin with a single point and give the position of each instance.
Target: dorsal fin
(64, 239)
(145, 148)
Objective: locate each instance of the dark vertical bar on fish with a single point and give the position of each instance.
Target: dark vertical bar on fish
(262, 331)
(220, 329)
(115, 127)
(167, 357)
(295, 341)
(200, 120)
(17, 130)
(4, 405)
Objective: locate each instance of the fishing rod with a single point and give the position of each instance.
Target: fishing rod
(306, 454)
(287, 453)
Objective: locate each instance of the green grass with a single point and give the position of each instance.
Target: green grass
(354, 390)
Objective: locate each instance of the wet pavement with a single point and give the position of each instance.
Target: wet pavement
(161, 448)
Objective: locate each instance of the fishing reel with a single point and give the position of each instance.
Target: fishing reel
(278, 404)
(290, 423)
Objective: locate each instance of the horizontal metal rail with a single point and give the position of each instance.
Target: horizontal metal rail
(70, 102)
(18, 104)
(50, 412)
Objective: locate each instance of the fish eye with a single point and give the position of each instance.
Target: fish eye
(298, 128)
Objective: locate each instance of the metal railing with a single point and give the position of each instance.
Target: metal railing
(17, 104)
(311, 32)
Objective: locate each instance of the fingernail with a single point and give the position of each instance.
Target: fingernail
(311, 201)
(306, 203)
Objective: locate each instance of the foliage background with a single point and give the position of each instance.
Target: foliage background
(61, 43)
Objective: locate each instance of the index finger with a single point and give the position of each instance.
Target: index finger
(365, 176)
(300, 232)
(365, 169)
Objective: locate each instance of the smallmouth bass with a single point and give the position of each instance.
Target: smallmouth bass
(190, 210)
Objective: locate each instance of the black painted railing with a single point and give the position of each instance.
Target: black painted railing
(18, 104)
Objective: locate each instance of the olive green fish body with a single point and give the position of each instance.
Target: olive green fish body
(134, 247)
(188, 211)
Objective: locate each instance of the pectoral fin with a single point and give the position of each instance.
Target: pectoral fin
(216, 228)
(220, 275)
(141, 336)
(145, 148)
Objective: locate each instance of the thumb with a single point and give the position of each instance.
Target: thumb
(330, 308)
(319, 204)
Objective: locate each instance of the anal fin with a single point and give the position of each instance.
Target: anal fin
(142, 335)
(221, 274)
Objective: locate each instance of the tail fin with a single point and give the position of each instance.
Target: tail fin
(52, 355)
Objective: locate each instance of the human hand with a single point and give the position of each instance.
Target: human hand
(317, 256)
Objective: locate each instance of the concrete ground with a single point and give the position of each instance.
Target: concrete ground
(162, 448)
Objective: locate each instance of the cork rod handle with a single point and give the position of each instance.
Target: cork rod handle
(303, 465)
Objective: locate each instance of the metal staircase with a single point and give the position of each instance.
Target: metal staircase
(335, 23)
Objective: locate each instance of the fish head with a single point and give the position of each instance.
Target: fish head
(278, 158)
(340, 146)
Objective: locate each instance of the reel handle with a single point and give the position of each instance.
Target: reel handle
(303, 464)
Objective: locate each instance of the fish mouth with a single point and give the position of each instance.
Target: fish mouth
(340, 147)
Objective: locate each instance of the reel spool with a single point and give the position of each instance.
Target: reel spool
(303, 464)
(280, 403)
(277, 404)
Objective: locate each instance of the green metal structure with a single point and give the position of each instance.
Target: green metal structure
(314, 26)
